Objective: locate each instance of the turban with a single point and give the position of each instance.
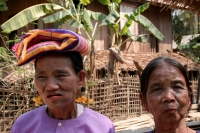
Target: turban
(37, 42)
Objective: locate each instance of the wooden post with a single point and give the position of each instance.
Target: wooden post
(198, 93)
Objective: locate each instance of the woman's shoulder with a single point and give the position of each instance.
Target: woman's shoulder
(25, 121)
(95, 115)
(30, 115)
(97, 120)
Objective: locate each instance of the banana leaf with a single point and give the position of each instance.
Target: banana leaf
(197, 46)
(149, 26)
(189, 46)
(117, 1)
(28, 15)
(87, 20)
(59, 16)
(63, 3)
(111, 18)
(131, 17)
(85, 2)
(61, 21)
(139, 38)
(75, 23)
(141, 9)
(97, 15)
(104, 2)
(113, 6)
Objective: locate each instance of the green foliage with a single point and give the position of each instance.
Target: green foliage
(105, 2)
(113, 22)
(149, 26)
(3, 6)
(91, 83)
(110, 20)
(59, 12)
(117, 1)
(3, 54)
(87, 20)
(85, 2)
(184, 23)
(192, 49)
(179, 26)
(59, 16)
(131, 17)
(6, 56)
(108, 2)
(139, 38)
(28, 15)
(81, 18)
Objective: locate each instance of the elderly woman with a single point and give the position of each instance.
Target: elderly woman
(59, 76)
(167, 95)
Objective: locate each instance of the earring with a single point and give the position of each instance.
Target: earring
(82, 89)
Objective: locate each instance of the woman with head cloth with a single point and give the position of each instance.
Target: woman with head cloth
(167, 95)
(58, 77)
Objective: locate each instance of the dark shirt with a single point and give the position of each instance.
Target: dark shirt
(152, 132)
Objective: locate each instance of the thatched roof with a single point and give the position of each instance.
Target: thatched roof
(102, 59)
(190, 5)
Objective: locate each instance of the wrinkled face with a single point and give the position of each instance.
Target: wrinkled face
(167, 97)
(56, 81)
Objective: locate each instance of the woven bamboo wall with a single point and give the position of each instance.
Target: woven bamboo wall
(194, 89)
(15, 99)
(117, 101)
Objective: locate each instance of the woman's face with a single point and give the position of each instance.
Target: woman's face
(56, 81)
(167, 97)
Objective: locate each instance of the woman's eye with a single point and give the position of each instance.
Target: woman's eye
(156, 89)
(40, 77)
(61, 75)
(178, 86)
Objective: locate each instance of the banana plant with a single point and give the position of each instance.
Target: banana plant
(60, 12)
(28, 15)
(117, 34)
(80, 18)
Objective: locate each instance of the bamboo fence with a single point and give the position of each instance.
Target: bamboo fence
(116, 99)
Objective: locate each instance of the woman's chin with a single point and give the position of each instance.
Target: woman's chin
(170, 118)
(57, 103)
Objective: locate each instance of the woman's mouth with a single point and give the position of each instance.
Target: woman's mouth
(170, 111)
(54, 96)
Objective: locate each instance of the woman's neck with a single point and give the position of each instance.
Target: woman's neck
(188, 130)
(63, 113)
(178, 127)
(183, 130)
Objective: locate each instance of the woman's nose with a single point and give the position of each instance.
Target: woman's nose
(51, 84)
(168, 97)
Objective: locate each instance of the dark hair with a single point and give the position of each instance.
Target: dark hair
(75, 57)
(144, 79)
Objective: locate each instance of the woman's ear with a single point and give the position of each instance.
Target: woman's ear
(189, 98)
(144, 102)
(81, 78)
(190, 87)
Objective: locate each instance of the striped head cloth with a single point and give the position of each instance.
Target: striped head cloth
(37, 42)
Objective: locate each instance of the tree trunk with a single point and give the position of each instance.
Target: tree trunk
(198, 94)
(92, 61)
